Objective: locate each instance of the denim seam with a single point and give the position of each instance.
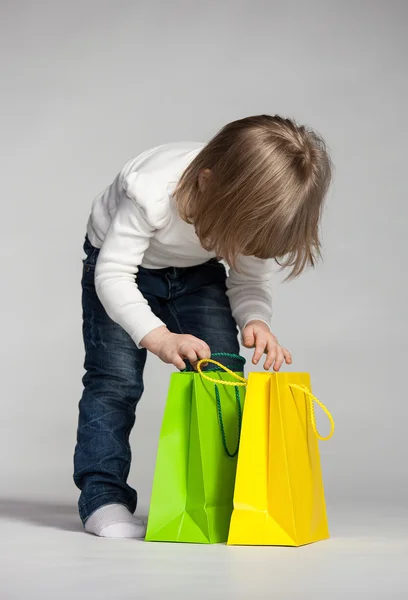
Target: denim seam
(175, 314)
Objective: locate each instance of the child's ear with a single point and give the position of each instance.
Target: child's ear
(203, 177)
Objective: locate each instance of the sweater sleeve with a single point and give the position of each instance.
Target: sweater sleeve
(250, 291)
(121, 254)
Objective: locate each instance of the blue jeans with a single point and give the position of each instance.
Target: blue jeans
(189, 300)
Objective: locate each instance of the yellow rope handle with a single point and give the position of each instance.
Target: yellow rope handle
(312, 399)
(241, 381)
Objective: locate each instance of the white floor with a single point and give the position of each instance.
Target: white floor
(44, 554)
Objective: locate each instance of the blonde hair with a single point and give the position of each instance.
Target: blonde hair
(265, 192)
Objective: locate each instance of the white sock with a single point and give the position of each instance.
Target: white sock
(115, 521)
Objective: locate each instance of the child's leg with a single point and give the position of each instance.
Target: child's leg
(199, 306)
(113, 385)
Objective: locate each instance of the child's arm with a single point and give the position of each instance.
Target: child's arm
(250, 295)
(115, 280)
(115, 275)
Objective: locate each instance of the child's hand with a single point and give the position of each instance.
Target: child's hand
(257, 335)
(172, 348)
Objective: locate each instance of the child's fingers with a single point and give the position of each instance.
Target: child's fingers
(287, 355)
(202, 351)
(279, 358)
(189, 353)
(205, 346)
(197, 343)
(248, 337)
(271, 356)
(178, 362)
(259, 350)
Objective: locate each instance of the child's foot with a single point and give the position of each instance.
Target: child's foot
(115, 521)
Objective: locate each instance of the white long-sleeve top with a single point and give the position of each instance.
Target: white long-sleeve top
(135, 222)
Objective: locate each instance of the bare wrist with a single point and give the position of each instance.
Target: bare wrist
(153, 340)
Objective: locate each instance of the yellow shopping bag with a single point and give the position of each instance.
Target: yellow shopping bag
(279, 495)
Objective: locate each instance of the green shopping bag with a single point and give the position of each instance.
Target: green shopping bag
(193, 487)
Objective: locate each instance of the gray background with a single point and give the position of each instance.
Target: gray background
(87, 85)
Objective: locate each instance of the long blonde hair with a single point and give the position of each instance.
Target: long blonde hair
(265, 192)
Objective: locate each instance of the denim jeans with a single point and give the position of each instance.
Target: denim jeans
(190, 300)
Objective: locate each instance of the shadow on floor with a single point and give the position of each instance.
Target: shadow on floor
(46, 514)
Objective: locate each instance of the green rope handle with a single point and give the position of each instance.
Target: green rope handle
(219, 408)
(225, 355)
(221, 355)
(221, 421)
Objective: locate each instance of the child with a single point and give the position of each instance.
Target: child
(153, 279)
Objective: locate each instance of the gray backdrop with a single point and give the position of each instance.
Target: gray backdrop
(87, 85)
